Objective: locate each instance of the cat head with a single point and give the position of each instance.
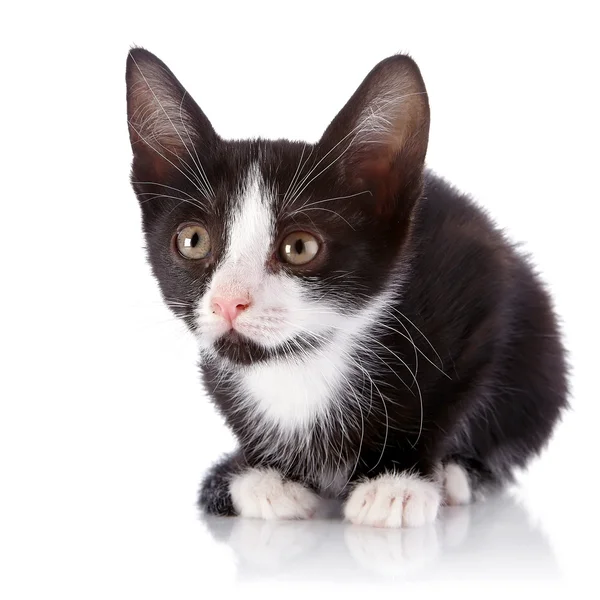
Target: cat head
(272, 248)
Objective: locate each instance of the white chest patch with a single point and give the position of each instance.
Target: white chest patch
(293, 393)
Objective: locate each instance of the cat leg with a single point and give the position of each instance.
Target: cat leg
(466, 479)
(234, 488)
(215, 497)
(394, 500)
(456, 484)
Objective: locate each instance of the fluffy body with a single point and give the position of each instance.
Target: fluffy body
(415, 360)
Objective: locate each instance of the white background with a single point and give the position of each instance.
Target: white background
(104, 431)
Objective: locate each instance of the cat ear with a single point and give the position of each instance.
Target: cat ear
(166, 126)
(379, 139)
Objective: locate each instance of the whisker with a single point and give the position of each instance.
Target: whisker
(292, 192)
(154, 196)
(424, 337)
(304, 206)
(294, 177)
(198, 163)
(329, 211)
(170, 187)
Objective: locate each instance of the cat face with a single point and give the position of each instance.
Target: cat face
(272, 248)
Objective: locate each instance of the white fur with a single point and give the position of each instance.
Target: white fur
(393, 501)
(287, 394)
(251, 227)
(293, 393)
(456, 485)
(263, 494)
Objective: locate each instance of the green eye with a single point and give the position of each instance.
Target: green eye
(193, 242)
(299, 248)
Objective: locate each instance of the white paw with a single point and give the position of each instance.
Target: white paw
(263, 494)
(393, 501)
(457, 489)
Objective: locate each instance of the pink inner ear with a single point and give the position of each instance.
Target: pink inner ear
(377, 174)
(160, 167)
(150, 161)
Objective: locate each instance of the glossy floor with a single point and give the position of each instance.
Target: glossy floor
(496, 538)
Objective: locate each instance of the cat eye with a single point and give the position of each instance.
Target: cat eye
(299, 248)
(193, 242)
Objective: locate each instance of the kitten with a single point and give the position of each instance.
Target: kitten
(366, 331)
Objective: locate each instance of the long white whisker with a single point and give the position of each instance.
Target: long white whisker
(198, 162)
(290, 186)
(154, 196)
(329, 211)
(169, 187)
(310, 204)
(424, 337)
(292, 191)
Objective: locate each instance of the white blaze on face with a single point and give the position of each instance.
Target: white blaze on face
(250, 235)
(242, 273)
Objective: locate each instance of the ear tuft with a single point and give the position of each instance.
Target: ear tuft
(164, 121)
(380, 137)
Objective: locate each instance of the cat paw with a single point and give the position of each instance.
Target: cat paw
(264, 494)
(393, 501)
(457, 489)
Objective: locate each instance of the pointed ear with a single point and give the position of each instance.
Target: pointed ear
(166, 126)
(379, 139)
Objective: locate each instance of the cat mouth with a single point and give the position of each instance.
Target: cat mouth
(240, 349)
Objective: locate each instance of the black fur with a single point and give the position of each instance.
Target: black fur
(494, 386)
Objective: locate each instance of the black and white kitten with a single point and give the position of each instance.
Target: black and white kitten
(366, 331)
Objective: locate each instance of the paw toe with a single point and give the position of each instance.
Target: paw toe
(393, 501)
(264, 494)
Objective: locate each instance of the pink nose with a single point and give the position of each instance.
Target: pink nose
(229, 308)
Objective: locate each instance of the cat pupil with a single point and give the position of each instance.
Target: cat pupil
(299, 246)
(194, 240)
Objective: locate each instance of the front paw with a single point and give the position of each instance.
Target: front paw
(393, 501)
(264, 494)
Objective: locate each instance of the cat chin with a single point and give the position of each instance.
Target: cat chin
(238, 349)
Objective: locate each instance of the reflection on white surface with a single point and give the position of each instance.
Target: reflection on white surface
(491, 539)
